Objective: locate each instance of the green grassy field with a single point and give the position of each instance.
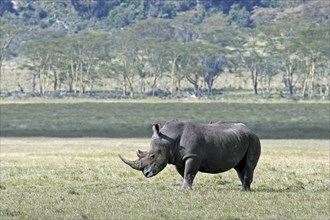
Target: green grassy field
(83, 178)
(125, 119)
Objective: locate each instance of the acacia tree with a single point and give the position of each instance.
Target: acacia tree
(175, 53)
(252, 61)
(7, 34)
(312, 44)
(72, 60)
(125, 57)
(202, 65)
(271, 67)
(215, 65)
(81, 54)
(92, 53)
(279, 38)
(254, 55)
(140, 50)
(156, 62)
(39, 54)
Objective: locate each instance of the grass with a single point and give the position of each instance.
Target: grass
(134, 119)
(83, 178)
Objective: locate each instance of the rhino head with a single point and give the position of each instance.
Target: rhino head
(153, 161)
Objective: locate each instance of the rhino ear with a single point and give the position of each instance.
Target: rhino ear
(155, 128)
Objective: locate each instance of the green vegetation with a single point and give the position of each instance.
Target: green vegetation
(83, 178)
(168, 48)
(125, 119)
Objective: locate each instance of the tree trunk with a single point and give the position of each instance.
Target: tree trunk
(55, 80)
(194, 82)
(34, 83)
(290, 82)
(4, 50)
(41, 91)
(291, 89)
(265, 85)
(209, 79)
(305, 84)
(70, 81)
(255, 88)
(311, 85)
(130, 85)
(254, 77)
(173, 81)
(309, 78)
(290, 69)
(81, 80)
(76, 79)
(154, 83)
(72, 86)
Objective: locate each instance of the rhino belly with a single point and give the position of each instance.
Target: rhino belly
(220, 163)
(215, 168)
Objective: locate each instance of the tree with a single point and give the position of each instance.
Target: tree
(252, 62)
(7, 6)
(39, 55)
(125, 58)
(251, 52)
(279, 45)
(84, 52)
(7, 34)
(215, 65)
(312, 43)
(96, 8)
(156, 61)
(202, 65)
(72, 60)
(239, 16)
(141, 50)
(299, 46)
(175, 53)
(216, 30)
(185, 27)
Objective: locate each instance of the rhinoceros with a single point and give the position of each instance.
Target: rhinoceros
(192, 147)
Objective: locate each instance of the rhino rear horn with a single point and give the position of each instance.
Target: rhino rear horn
(140, 153)
(134, 164)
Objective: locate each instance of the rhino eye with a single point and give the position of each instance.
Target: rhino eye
(152, 156)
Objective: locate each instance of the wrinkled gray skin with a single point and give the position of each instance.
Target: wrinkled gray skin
(208, 148)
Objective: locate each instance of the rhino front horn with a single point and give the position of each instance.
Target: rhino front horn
(134, 164)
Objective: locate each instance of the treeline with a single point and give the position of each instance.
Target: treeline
(121, 13)
(192, 47)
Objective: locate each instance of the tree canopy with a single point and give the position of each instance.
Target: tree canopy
(138, 46)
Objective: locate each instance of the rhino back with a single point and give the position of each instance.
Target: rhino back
(219, 146)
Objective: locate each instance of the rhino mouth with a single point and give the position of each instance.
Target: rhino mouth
(149, 173)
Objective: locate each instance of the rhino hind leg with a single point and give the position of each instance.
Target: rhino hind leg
(241, 171)
(251, 159)
(248, 178)
(245, 168)
(245, 174)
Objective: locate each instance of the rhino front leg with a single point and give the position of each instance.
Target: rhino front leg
(190, 171)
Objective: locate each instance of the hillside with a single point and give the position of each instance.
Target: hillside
(168, 47)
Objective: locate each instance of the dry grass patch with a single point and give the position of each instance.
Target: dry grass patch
(83, 178)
